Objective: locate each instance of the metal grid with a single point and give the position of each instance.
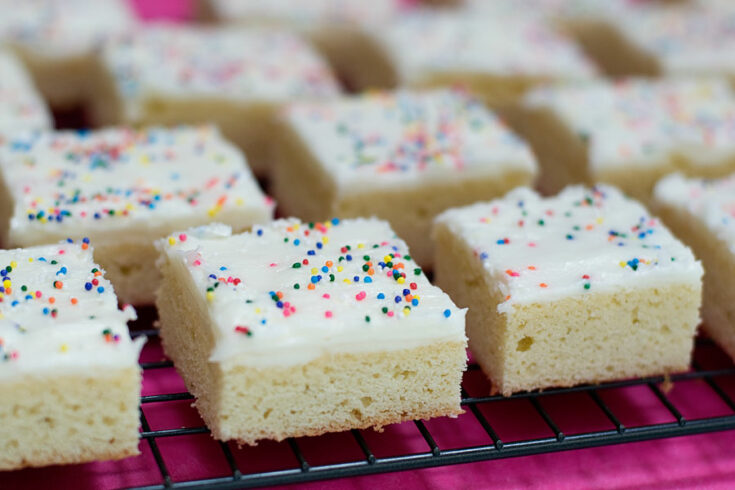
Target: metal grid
(434, 455)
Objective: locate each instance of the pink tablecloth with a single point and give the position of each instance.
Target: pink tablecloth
(704, 461)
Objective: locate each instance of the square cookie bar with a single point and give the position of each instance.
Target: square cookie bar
(583, 287)
(298, 329)
(403, 156)
(234, 78)
(57, 38)
(629, 133)
(124, 189)
(702, 214)
(497, 58)
(692, 38)
(21, 107)
(69, 375)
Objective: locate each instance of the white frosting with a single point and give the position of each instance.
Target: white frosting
(236, 64)
(710, 201)
(645, 122)
(554, 9)
(62, 28)
(58, 317)
(691, 39)
(21, 107)
(437, 42)
(580, 242)
(384, 140)
(118, 185)
(306, 13)
(250, 281)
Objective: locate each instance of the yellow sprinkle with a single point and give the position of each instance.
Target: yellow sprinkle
(14, 264)
(340, 268)
(314, 270)
(30, 259)
(360, 245)
(622, 263)
(210, 295)
(213, 212)
(64, 348)
(400, 280)
(296, 226)
(347, 281)
(239, 201)
(171, 240)
(7, 283)
(387, 258)
(600, 220)
(258, 310)
(325, 239)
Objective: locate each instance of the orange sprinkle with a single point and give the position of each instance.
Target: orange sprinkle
(74, 301)
(543, 285)
(52, 300)
(311, 286)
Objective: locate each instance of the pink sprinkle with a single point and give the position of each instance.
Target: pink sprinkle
(328, 314)
(360, 296)
(273, 264)
(531, 244)
(390, 313)
(326, 295)
(38, 294)
(182, 237)
(197, 262)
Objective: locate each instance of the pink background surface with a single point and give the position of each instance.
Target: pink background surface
(704, 461)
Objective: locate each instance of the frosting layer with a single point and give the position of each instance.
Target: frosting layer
(290, 292)
(242, 65)
(59, 314)
(382, 140)
(62, 28)
(428, 42)
(711, 201)
(126, 185)
(580, 242)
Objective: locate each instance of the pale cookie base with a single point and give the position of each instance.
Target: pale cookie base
(718, 307)
(63, 82)
(563, 158)
(64, 419)
(328, 394)
(304, 189)
(589, 338)
(613, 53)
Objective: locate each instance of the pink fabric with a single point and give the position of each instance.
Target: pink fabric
(705, 461)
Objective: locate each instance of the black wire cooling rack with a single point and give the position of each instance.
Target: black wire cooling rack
(712, 372)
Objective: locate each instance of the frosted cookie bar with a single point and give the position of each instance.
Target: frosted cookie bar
(403, 156)
(235, 78)
(57, 39)
(69, 376)
(702, 214)
(682, 39)
(583, 287)
(630, 133)
(496, 58)
(303, 329)
(124, 189)
(21, 107)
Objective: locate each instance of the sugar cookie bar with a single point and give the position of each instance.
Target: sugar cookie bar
(402, 156)
(683, 39)
(57, 38)
(583, 287)
(702, 214)
(124, 189)
(235, 78)
(69, 375)
(21, 107)
(629, 133)
(497, 58)
(298, 329)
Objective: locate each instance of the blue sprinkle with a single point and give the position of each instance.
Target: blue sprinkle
(348, 257)
(88, 286)
(296, 242)
(319, 245)
(259, 232)
(381, 296)
(397, 299)
(314, 279)
(368, 279)
(406, 292)
(447, 313)
(100, 289)
(414, 302)
(356, 278)
(335, 221)
(311, 252)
